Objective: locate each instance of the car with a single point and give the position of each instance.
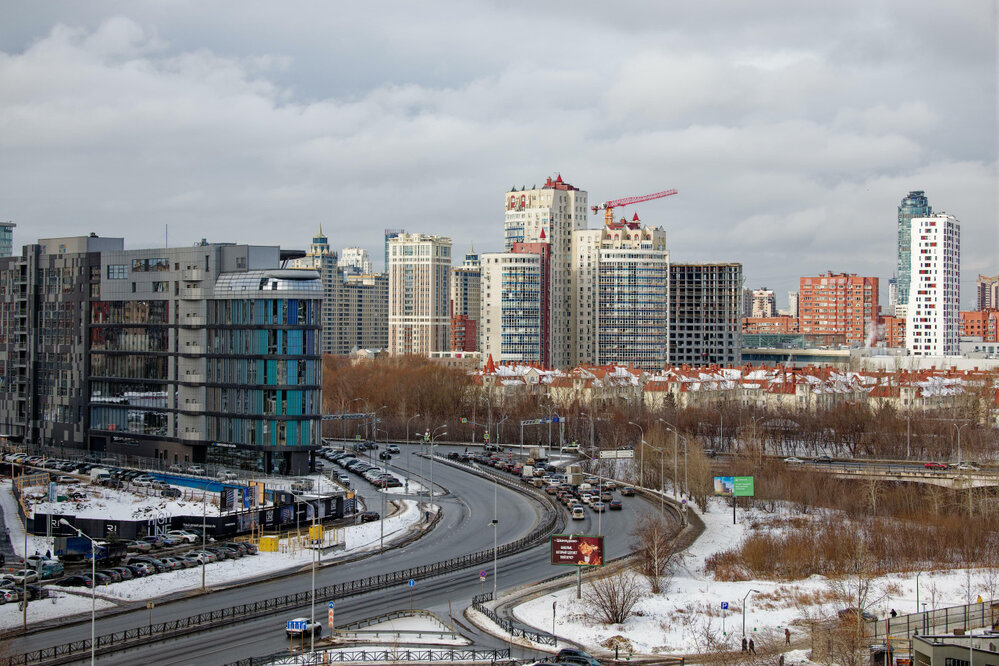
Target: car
(936, 466)
(114, 576)
(197, 470)
(711, 453)
(302, 626)
(204, 557)
(67, 480)
(170, 492)
(615, 505)
(102, 578)
(794, 461)
(124, 572)
(229, 551)
(578, 512)
(189, 537)
(141, 569)
(851, 614)
(393, 449)
(369, 516)
(598, 506)
(50, 569)
(969, 466)
(157, 564)
(226, 476)
(385, 455)
(189, 561)
(169, 541)
(627, 491)
(823, 459)
(573, 656)
(36, 592)
(9, 595)
(138, 546)
(23, 575)
(173, 563)
(176, 469)
(241, 547)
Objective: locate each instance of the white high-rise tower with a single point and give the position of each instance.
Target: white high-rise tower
(932, 326)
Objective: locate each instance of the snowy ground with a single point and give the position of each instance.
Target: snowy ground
(688, 618)
(357, 538)
(118, 504)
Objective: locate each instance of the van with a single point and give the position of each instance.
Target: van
(578, 513)
(99, 475)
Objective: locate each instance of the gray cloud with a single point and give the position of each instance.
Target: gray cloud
(791, 132)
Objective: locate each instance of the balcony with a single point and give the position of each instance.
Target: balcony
(192, 275)
(192, 294)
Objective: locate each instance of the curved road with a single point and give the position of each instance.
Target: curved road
(465, 528)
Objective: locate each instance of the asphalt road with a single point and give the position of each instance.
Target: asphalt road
(468, 510)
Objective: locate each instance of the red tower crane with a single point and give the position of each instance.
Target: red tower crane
(609, 206)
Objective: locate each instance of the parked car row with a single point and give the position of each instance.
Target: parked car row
(139, 566)
(376, 476)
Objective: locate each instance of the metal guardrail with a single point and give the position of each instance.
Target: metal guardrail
(394, 656)
(941, 620)
(108, 643)
(541, 637)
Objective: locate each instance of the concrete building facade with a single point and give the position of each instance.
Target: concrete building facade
(933, 312)
(764, 303)
(466, 303)
(987, 292)
(512, 323)
(419, 271)
(705, 304)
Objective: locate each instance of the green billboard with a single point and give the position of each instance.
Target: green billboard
(738, 486)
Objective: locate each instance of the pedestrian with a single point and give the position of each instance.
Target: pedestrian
(893, 613)
(744, 644)
(787, 636)
(780, 662)
(752, 646)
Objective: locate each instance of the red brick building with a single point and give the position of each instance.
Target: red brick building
(892, 330)
(980, 324)
(841, 303)
(769, 325)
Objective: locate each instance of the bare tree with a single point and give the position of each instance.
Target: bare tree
(656, 549)
(612, 598)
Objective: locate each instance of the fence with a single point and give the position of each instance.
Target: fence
(541, 637)
(108, 643)
(941, 620)
(384, 656)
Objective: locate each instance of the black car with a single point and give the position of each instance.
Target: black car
(369, 516)
(384, 455)
(75, 581)
(823, 459)
(572, 656)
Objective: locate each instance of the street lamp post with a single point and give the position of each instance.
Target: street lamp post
(495, 525)
(407, 441)
(675, 446)
(93, 584)
(641, 461)
(433, 443)
(959, 440)
(662, 477)
(744, 610)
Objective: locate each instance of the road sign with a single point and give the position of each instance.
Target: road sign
(331, 605)
(482, 577)
(724, 605)
(411, 583)
(464, 419)
(618, 454)
(296, 625)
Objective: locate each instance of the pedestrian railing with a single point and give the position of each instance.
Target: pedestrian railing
(940, 620)
(394, 656)
(508, 625)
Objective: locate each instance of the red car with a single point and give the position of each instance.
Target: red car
(935, 465)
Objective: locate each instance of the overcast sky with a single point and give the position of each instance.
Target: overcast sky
(791, 129)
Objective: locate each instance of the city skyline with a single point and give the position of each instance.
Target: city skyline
(791, 146)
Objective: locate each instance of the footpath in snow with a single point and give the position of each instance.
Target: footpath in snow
(688, 618)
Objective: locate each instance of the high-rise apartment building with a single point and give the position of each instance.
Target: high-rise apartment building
(746, 303)
(550, 214)
(932, 315)
(389, 235)
(466, 303)
(6, 238)
(840, 303)
(705, 304)
(354, 261)
(892, 297)
(915, 204)
(987, 293)
(793, 304)
(207, 353)
(764, 303)
(513, 320)
(419, 281)
(980, 324)
(621, 295)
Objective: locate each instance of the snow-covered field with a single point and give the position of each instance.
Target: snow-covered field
(357, 538)
(688, 619)
(119, 504)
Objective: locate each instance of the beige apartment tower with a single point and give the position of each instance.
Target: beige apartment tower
(419, 269)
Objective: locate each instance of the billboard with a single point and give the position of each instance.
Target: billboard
(577, 550)
(739, 486)
(619, 453)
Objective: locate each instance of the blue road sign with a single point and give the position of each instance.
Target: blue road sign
(724, 605)
(331, 605)
(296, 625)
(411, 583)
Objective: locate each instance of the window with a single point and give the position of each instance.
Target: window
(116, 271)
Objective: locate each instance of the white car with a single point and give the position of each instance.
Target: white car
(794, 461)
(197, 470)
(301, 626)
(23, 576)
(188, 537)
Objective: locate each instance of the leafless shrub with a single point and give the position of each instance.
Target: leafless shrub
(656, 549)
(612, 598)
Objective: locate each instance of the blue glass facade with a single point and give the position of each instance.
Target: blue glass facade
(913, 205)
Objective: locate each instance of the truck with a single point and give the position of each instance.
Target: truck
(528, 472)
(539, 453)
(97, 475)
(69, 549)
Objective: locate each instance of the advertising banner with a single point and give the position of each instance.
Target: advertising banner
(577, 550)
(739, 486)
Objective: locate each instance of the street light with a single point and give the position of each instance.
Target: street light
(662, 476)
(495, 524)
(744, 610)
(433, 440)
(959, 440)
(641, 461)
(675, 446)
(93, 583)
